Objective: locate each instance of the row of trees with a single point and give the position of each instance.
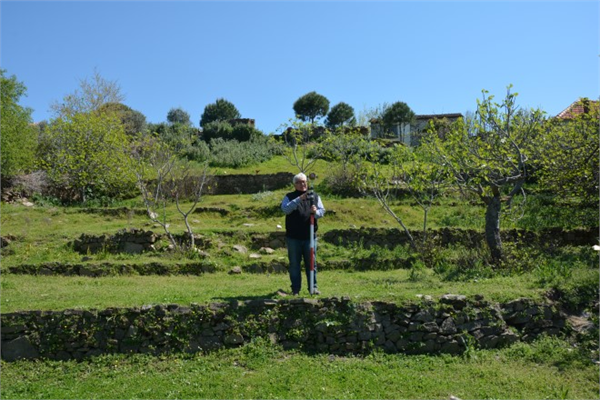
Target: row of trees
(96, 146)
(490, 155)
(313, 106)
(26, 147)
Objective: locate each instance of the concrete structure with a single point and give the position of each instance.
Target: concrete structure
(409, 134)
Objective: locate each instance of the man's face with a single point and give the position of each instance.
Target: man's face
(300, 185)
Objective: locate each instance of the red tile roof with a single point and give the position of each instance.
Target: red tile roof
(581, 106)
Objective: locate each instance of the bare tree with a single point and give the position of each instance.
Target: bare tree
(92, 93)
(300, 136)
(410, 170)
(163, 179)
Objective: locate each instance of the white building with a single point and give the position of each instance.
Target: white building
(409, 134)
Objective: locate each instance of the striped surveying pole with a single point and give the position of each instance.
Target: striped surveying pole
(311, 196)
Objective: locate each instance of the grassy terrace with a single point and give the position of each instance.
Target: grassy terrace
(547, 368)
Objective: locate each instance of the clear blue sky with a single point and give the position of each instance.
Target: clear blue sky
(262, 56)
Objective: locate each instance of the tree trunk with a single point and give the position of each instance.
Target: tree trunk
(492, 226)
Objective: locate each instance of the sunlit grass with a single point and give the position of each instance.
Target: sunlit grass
(26, 292)
(261, 370)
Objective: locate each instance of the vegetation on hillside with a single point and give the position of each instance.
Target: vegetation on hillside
(513, 175)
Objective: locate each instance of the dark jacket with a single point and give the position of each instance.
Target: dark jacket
(297, 223)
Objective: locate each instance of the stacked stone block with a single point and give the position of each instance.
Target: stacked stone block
(334, 326)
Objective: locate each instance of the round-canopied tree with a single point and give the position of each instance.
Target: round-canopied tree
(178, 116)
(341, 114)
(133, 121)
(311, 106)
(220, 110)
(397, 113)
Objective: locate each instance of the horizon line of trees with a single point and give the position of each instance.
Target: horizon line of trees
(87, 150)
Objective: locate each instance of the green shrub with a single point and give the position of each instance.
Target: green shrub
(580, 290)
(197, 151)
(234, 154)
(547, 350)
(217, 130)
(245, 133)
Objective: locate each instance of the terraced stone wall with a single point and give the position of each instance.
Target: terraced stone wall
(330, 325)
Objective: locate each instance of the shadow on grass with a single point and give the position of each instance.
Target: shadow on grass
(276, 295)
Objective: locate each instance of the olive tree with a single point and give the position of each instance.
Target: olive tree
(134, 122)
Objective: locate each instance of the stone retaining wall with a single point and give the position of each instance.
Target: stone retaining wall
(335, 326)
(138, 240)
(133, 241)
(390, 238)
(250, 184)
(239, 183)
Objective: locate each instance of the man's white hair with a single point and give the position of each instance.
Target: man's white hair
(298, 177)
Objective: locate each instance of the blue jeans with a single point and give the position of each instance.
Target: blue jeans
(297, 250)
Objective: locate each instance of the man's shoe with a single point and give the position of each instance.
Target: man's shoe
(295, 293)
(316, 291)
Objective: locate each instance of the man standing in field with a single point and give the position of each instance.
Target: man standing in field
(297, 208)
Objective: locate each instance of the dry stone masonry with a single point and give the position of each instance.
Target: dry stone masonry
(390, 238)
(132, 241)
(330, 325)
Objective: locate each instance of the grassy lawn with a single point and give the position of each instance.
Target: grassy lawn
(543, 370)
(26, 292)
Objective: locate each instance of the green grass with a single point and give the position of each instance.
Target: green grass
(26, 292)
(261, 370)
(549, 368)
(44, 232)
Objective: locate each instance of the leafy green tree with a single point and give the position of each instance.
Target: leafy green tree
(397, 113)
(487, 156)
(178, 116)
(311, 106)
(87, 155)
(221, 110)
(90, 96)
(134, 122)
(18, 136)
(341, 114)
(567, 152)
